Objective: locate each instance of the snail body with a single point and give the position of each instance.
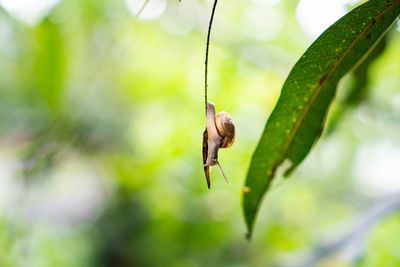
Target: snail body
(219, 133)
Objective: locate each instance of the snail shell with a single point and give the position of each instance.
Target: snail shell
(226, 128)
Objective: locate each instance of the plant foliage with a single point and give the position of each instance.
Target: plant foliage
(298, 118)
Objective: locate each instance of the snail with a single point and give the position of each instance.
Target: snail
(219, 133)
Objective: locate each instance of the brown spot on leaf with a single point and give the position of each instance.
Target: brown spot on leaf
(373, 21)
(368, 36)
(323, 79)
(246, 189)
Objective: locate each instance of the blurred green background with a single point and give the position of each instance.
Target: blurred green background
(101, 121)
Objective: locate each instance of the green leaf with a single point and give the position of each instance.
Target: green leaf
(298, 118)
(49, 62)
(358, 91)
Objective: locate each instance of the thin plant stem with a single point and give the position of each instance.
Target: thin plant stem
(207, 47)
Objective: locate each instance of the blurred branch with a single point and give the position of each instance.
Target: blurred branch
(351, 244)
(80, 129)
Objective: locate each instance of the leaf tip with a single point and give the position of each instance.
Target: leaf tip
(249, 220)
(248, 235)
